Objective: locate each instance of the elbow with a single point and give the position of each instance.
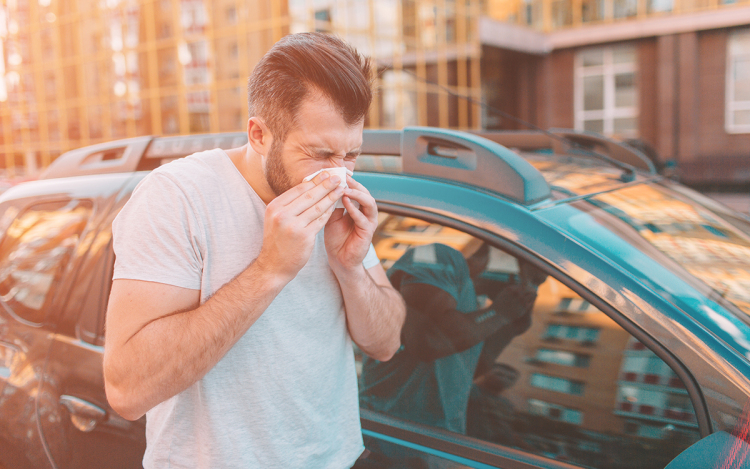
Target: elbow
(122, 404)
(122, 400)
(386, 352)
(390, 352)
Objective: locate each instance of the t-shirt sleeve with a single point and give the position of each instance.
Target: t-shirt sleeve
(157, 236)
(371, 259)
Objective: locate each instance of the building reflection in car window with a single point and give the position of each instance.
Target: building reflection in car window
(712, 246)
(35, 249)
(568, 383)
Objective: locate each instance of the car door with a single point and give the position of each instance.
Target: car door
(573, 389)
(38, 245)
(88, 432)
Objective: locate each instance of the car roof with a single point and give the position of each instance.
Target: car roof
(523, 167)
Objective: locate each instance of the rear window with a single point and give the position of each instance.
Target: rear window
(34, 252)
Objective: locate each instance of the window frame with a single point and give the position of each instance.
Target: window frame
(608, 71)
(495, 454)
(82, 331)
(730, 104)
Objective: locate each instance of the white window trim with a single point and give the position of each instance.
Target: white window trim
(608, 70)
(730, 104)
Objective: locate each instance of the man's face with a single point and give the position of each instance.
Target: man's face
(319, 139)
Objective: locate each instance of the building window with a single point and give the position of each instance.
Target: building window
(592, 10)
(738, 82)
(624, 8)
(554, 383)
(323, 20)
(606, 91)
(561, 357)
(576, 306)
(555, 412)
(231, 13)
(399, 99)
(580, 334)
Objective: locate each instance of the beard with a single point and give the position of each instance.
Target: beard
(276, 174)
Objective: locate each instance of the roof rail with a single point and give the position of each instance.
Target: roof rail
(534, 140)
(110, 157)
(136, 154)
(425, 151)
(461, 157)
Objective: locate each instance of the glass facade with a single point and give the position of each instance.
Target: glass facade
(80, 72)
(550, 15)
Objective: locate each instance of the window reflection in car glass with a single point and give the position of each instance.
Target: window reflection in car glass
(712, 249)
(36, 247)
(559, 379)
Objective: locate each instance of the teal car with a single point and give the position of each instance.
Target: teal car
(631, 348)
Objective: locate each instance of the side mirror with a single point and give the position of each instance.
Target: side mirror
(719, 449)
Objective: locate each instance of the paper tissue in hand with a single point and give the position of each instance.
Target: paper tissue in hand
(339, 171)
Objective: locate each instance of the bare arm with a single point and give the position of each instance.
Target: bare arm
(160, 340)
(375, 311)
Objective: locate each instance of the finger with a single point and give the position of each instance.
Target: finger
(338, 213)
(317, 223)
(315, 195)
(321, 207)
(352, 183)
(359, 218)
(290, 195)
(367, 204)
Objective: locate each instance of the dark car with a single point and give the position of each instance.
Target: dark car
(635, 350)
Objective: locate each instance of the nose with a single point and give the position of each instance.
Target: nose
(336, 162)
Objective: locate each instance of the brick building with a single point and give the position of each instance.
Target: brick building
(677, 80)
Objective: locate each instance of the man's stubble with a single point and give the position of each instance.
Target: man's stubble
(275, 172)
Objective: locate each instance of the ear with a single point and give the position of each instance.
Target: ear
(258, 136)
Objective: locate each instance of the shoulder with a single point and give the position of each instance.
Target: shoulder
(188, 177)
(197, 168)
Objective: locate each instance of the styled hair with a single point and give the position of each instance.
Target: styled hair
(300, 65)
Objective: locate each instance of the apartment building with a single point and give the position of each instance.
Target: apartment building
(671, 73)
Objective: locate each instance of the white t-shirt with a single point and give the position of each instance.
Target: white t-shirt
(285, 396)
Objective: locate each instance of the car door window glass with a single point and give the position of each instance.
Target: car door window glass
(34, 251)
(558, 378)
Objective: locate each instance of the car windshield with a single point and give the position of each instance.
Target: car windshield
(709, 241)
(691, 250)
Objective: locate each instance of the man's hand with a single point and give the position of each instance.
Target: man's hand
(348, 235)
(293, 219)
(514, 301)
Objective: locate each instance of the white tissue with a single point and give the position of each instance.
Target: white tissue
(341, 172)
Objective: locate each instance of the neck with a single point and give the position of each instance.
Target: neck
(250, 165)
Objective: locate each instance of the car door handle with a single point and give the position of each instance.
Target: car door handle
(84, 415)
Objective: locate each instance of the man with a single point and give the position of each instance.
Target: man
(238, 288)
(447, 338)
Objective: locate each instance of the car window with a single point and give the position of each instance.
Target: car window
(34, 251)
(495, 349)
